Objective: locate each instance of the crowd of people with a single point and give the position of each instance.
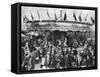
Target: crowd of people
(73, 51)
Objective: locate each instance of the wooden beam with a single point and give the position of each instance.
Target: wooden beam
(74, 22)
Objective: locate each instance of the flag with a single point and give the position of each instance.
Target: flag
(80, 18)
(48, 15)
(65, 16)
(74, 16)
(38, 14)
(93, 21)
(86, 17)
(55, 16)
(25, 19)
(32, 17)
(61, 14)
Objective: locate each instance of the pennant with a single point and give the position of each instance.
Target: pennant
(55, 16)
(65, 16)
(80, 18)
(86, 17)
(93, 21)
(32, 17)
(74, 16)
(25, 19)
(48, 15)
(61, 14)
(38, 14)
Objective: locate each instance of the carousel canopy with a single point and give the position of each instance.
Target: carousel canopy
(57, 19)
